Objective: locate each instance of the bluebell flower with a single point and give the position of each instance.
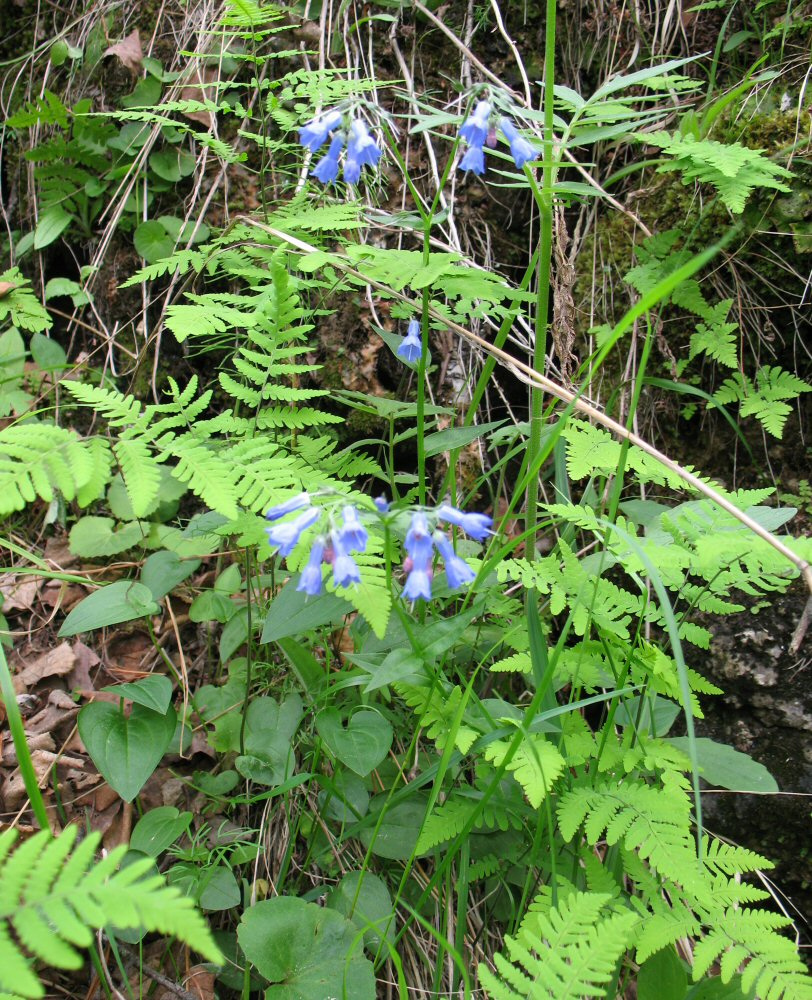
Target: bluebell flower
(310, 580)
(361, 146)
(521, 150)
(353, 533)
(411, 347)
(361, 150)
(418, 541)
(474, 130)
(326, 170)
(381, 503)
(474, 524)
(345, 569)
(314, 135)
(288, 506)
(474, 160)
(418, 583)
(288, 533)
(457, 570)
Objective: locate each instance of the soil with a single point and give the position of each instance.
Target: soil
(766, 712)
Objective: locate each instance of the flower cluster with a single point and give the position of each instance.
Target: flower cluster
(420, 544)
(341, 540)
(362, 150)
(476, 131)
(411, 347)
(344, 539)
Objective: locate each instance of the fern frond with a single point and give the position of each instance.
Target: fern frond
(568, 953)
(535, 765)
(37, 460)
(773, 968)
(52, 896)
(733, 169)
(141, 474)
(652, 821)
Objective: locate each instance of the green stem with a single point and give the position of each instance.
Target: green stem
(544, 199)
(15, 724)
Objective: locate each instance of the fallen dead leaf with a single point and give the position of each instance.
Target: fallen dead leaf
(200, 982)
(58, 554)
(201, 90)
(14, 791)
(19, 593)
(37, 741)
(56, 662)
(86, 660)
(6, 287)
(61, 709)
(129, 51)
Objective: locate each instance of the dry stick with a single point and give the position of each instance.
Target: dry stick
(529, 374)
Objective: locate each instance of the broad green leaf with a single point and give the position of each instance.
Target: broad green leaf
(396, 837)
(211, 606)
(152, 241)
(725, 767)
(163, 571)
(47, 353)
(92, 537)
(364, 899)
(125, 750)
(52, 223)
(305, 951)
(122, 601)
(153, 692)
(159, 828)
(457, 437)
(362, 745)
(292, 613)
(346, 800)
(662, 977)
(217, 889)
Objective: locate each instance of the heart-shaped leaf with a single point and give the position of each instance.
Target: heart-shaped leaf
(125, 750)
(364, 899)
(153, 692)
(159, 828)
(362, 745)
(305, 951)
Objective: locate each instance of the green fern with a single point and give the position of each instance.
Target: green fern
(772, 966)
(53, 895)
(41, 460)
(570, 952)
(734, 170)
(766, 399)
(20, 305)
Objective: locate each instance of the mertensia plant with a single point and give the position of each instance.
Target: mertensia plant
(462, 693)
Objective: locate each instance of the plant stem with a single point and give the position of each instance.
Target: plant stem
(544, 200)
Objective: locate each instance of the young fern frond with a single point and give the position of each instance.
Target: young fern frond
(53, 895)
(39, 460)
(569, 952)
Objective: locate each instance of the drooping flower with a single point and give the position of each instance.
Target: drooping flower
(310, 580)
(418, 541)
(381, 503)
(474, 130)
(411, 347)
(345, 569)
(418, 583)
(326, 170)
(361, 150)
(474, 160)
(288, 506)
(288, 533)
(521, 150)
(353, 533)
(476, 525)
(314, 134)
(457, 570)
